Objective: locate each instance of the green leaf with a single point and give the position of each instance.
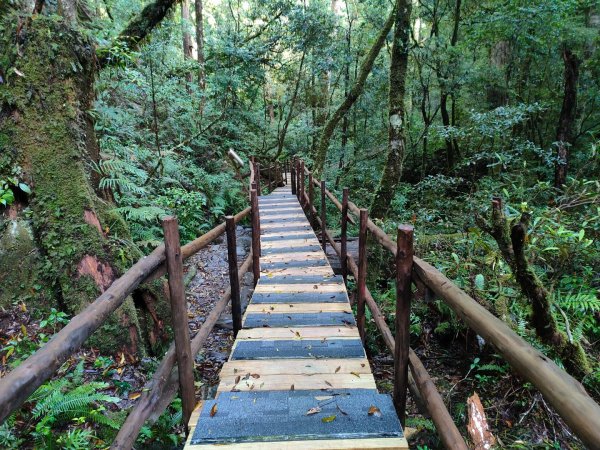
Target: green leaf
(480, 282)
(25, 188)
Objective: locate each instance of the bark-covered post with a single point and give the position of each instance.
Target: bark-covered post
(344, 235)
(323, 218)
(255, 235)
(311, 198)
(234, 282)
(361, 285)
(257, 178)
(404, 263)
(269, 178)
(179, 317)
(302, 187)
(293, 176)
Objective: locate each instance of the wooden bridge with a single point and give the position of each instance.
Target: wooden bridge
(298, 370)
(298, 375)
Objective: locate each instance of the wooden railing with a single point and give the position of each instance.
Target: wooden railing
(562, 391)
(21, 382)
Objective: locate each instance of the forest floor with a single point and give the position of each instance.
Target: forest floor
(517, 414)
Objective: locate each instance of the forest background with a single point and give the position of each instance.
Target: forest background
(116, 113)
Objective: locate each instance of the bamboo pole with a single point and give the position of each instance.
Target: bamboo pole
(236, 306)
(179, 317)
(404, 263)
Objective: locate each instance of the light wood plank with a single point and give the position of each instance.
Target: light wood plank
(296, 366)
(298, 381)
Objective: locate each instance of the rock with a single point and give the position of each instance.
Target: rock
(19, 261)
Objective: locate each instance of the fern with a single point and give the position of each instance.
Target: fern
(580, 302)
(143, 213)
(63, 406)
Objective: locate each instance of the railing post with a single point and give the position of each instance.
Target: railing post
(179, 317)
(269, 178)
(257, 178)
(302, 187)
(234, 282)
(344, 235)
(323, 218)
(362, 274)
(404, 264)
(255, 236)
(311, 198)
(298, 179)
(293, 176)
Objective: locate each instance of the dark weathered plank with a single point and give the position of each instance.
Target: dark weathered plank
(281, 416)
(300, 297)
(295, 348)
(298, 320)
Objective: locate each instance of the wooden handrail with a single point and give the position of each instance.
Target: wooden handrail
(421, 386)
(161, 389)
(562, 391)
(21, 382)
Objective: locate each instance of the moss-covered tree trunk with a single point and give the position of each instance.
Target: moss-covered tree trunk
(47, 135)
(512, 243)
(396, 128)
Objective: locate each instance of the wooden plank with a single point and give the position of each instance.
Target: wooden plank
(298, 381)
(287, 308)
(298, 333)
(300, 287)
(296, 366)
(329, 444)
(297, 271)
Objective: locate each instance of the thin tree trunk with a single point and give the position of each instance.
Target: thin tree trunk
(187, 37)
(396, 127)
(200, 44)
(568, 114)
(355, 92)
(281, 139)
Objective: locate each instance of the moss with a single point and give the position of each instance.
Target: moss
(46, 128)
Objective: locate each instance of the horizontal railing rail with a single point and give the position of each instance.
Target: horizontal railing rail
(562, 391)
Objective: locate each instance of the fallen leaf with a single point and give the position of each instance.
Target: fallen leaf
(328, 383)
(292, 388)
(255, 375)
(328, 419)
(341, 410)
(312, 411)
(338, 369)
(134, 395)
(374, 411)
(355, 374)
(213, 410)
(237, 379)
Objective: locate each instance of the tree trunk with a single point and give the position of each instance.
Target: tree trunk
(187, 37)
(288, 119)
(48, 137)
(568, 115)
(200, 44)
(396, 128)
(512, 243)
(355, 92)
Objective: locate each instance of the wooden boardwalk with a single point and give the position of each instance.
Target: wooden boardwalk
(298, 376)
